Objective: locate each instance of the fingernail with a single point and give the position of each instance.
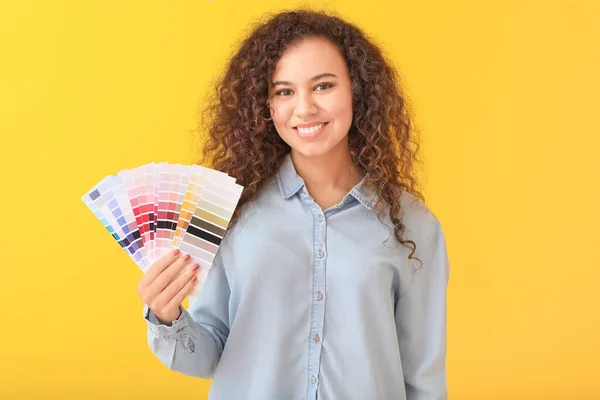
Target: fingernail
(176, 252)
(195, 278)
(187, 257)
(195, 267)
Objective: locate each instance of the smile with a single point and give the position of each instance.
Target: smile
(312, 131)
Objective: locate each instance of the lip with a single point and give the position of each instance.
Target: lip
(310, 125)
(314, 134)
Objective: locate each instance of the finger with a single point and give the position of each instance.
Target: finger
(162, 290)
(173, 271)
(158, 267)
(177, 284)
(167, 276)
(180, 296)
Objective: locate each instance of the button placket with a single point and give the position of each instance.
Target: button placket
(318, 299)
(316, 338)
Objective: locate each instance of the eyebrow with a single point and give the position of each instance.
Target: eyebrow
(314, 78)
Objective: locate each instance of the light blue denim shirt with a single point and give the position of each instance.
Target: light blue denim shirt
(303, 303)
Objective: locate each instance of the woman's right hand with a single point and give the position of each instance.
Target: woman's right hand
(166, 284)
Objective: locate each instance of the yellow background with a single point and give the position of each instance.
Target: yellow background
(506, 94)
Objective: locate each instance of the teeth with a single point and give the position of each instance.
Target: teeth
(308, 131)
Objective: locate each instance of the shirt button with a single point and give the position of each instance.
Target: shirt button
(317, 339)
(319, 296)
(320, 254)
(313, 379)
(320, 218)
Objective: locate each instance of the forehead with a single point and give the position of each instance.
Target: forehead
(308, 58)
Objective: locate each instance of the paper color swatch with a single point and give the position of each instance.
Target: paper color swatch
(158, 207)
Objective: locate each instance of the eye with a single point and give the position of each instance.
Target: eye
(280, 92)
(325, 85)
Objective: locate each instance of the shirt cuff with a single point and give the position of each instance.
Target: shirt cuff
(159, 329)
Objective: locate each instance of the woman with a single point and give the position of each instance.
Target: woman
(331, 280)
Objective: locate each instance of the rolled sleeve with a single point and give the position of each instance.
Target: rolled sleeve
(194, 342)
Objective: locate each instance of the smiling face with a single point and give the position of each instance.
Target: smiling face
(311, 98)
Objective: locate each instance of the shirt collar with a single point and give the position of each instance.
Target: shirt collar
(290, 183)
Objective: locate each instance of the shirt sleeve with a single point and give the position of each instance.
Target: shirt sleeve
(421, 319)
(193, 344)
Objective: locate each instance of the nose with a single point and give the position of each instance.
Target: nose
(305, 105)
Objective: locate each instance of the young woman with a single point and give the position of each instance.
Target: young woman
(331, 280)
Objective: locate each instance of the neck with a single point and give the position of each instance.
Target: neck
(331, 171)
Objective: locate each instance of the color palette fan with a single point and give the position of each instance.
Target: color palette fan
(158, 207)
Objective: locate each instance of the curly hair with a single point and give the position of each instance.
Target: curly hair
(242, 140)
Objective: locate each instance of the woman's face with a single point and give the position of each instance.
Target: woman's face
(311, 98)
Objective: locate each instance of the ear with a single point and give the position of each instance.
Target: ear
(271, 112)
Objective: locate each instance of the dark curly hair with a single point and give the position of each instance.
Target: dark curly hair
(242, 140)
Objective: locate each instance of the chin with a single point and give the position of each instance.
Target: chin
(315, 149)
(308, 148)
(322, 145)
